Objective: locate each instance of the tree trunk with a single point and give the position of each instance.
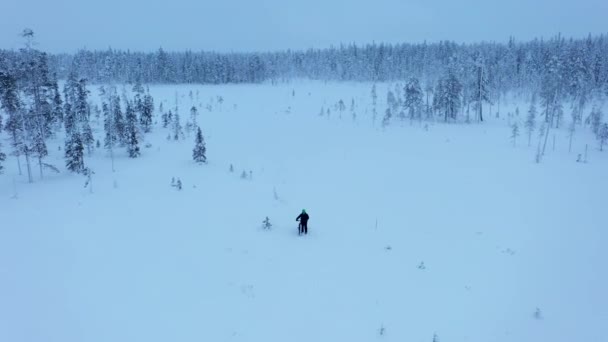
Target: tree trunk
(546, 138)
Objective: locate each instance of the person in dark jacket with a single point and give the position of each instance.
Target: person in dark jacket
(303, 218)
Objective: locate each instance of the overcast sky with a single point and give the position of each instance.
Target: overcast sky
(258, 25)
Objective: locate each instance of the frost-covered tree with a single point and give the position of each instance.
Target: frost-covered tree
(11, 104)
(39, 149)
(199, 152)
(119, 120)
(74, 153)
(514, 133)
(166, 118)
(146, 113)
(447, 97)
(194, 116)
(596, 120)
(132, 134)
(413, 98)
(603, 135)
(480, 93)
(57, 110)
(530, 123)
(391, 101)
(177, 128)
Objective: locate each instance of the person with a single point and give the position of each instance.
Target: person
(303, 218)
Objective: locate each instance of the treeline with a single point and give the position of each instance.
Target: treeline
(579, 65)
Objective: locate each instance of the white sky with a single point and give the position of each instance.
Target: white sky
(259, 25)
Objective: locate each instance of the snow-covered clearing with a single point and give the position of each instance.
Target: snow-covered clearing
(448, 230)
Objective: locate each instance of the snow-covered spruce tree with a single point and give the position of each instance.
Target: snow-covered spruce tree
(391, 101)
(413, 98)
(514, 133)
(199, 152)
(603, 135)
(132, 134)
(10, 103)
(595, 119)
(177, 128)
(194, 116)
(111, 138)
(119, 120)
(82, 114)
(146, 113)
(74, 153)
(450, 95)
(480, 93)
(57, 110)
(530, 123)
(165, 118)
(39, 149)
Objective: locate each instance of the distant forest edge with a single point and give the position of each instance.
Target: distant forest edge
(578, 67)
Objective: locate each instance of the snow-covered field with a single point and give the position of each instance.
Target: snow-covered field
(445, 230)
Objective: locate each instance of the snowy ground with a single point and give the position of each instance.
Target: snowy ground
(511, 250)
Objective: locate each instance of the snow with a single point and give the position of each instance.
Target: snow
(500, 236)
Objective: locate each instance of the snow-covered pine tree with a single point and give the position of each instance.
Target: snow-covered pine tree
(146, 113)
(194, 116)
(530, 123)
(10, 103)
(391, 101)
(596, 120)
(413, 98)
(480, 92)
(39, 149)
(57, 110)
(74, 153)
(177, 128)
(199, 152)
(132, 134)
(514, 133)
(452, 92)
(119, 120)
(165, 117)
(603, 135)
